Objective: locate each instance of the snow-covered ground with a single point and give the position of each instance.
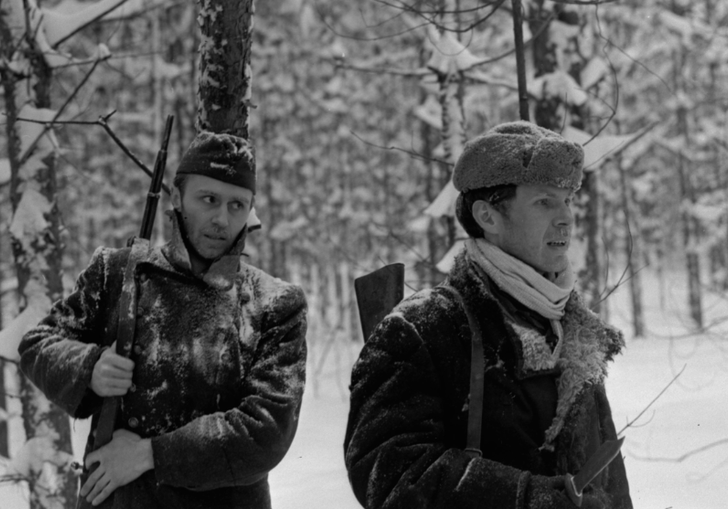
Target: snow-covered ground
(691, 414)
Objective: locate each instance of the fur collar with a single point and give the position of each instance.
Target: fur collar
(587, 346)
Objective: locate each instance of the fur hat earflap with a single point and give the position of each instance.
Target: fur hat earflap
(519, 153)
(220, 156)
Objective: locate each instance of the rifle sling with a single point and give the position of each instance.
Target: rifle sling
(124, 338)
(477, 373)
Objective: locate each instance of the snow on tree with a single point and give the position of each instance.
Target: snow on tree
(30, 36)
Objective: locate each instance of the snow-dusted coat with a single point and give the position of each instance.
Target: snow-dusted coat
(405, 440)
(218, 377)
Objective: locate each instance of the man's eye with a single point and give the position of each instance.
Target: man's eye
(236, 205)
(208, 199)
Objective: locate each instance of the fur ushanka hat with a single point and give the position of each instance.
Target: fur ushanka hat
(519, 153)
(220, 156)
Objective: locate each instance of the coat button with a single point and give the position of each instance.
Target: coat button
(133, 422)
(132, 388)
(143, 278)
(138, 349)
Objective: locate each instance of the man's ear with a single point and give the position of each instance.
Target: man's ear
(176, 198)
(486, 216)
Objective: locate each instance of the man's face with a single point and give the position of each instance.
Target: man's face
(536, 227)
(214, 213)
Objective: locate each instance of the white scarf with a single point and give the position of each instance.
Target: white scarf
(522, 281)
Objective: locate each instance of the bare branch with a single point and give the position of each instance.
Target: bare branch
(102, 121)
(583, 2)
(683, 457)
(100, 15)
(416, 73)
(13, 479)
(410, 152)
(630, 423)
(24, 158)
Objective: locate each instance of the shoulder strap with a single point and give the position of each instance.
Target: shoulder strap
(477, 371)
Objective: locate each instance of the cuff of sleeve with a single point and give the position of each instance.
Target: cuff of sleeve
(523, 481)
(90, 401)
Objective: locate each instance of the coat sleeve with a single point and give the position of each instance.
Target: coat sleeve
(240, 446)
(59, 354)
(395, 447)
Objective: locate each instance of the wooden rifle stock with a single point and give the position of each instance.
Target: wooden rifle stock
(128, 299)
(377, 293)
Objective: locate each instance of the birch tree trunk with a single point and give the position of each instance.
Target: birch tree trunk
(450, 95)
(35, 232)
(225, 74)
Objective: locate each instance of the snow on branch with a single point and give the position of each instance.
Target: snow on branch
(39, 304)
(444, 204)
(598, 150)
(4, 171)
(66, 19)
(450, 55)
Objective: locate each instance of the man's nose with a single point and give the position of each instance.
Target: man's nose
(565, 217)
(221, 217)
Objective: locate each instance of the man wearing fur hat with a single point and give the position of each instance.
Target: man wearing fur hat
(544, 407)
(211, 392)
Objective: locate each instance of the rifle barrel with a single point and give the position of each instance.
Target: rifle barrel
(150, 210)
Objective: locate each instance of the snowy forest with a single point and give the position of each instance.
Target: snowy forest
(357, 110)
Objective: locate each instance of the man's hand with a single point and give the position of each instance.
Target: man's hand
(119, 462)
(112, 374)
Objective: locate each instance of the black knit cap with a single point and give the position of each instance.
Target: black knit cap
(220, 156)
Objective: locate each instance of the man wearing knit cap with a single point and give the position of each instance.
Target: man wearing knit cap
(544, 407)
(211, 391)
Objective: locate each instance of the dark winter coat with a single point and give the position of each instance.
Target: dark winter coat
(218, 377)
(409, 403)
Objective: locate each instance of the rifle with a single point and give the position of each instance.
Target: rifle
(377, 293)
(128, 300)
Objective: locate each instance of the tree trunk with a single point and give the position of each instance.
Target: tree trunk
(225, 73)
(589, 210)
(690, 226)
(4, 449)
(37, 247)
(547, 108)
(632, 251)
